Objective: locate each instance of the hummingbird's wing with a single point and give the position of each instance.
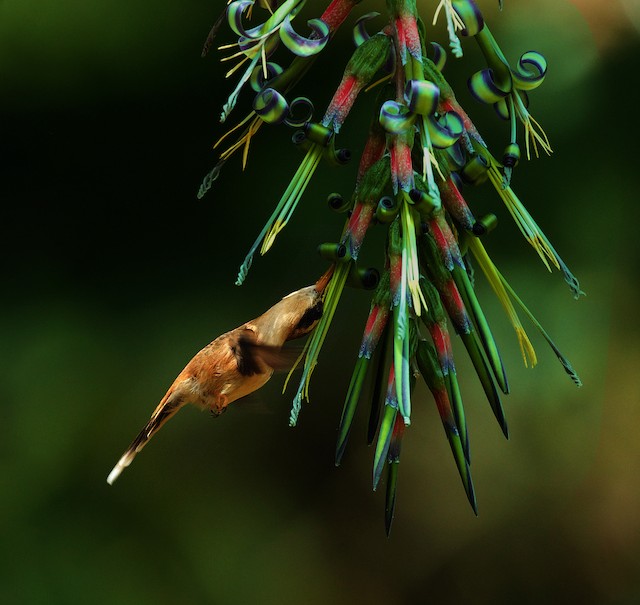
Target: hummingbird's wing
(252, 357)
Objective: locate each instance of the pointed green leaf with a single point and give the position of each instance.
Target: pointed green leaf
(455, 397)
(350, 404)
(473, 307)
(472, 344)
(382, 445)
(382, 362)
(461, 463)
(390, 500)
(401, 360)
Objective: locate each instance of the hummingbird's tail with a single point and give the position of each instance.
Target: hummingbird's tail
(169, 405)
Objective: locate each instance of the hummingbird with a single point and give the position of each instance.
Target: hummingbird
(236, 363)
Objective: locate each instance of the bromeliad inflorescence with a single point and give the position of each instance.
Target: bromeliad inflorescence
(421, 159)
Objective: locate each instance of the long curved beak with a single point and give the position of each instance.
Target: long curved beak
(323, 282)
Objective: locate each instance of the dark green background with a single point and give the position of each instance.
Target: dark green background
(114, 274)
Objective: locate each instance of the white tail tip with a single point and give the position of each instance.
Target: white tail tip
(123, 463)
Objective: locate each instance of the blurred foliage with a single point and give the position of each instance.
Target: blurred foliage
(114, 275)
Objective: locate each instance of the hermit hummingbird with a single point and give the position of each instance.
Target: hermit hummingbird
(236, 363)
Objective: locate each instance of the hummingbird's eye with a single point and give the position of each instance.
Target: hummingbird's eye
(311, 315)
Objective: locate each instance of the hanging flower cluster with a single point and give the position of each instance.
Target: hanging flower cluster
(421, 160)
